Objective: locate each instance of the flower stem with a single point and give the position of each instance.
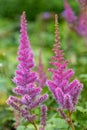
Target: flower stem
(70, 121)
(35, 126)
(33, 122)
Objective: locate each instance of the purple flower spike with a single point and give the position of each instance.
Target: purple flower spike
(42, 75)
(26, 79)
(76, 23)
(68, 13)
(65, 93)
(82, 25)
(83, 4)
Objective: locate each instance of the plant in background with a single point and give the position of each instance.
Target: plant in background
(69, 14)
(82, 19)
(29, 94)
(77, 23)
(64, 91)
(42, 75)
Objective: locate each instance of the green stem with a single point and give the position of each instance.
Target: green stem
(35, 126)
(70, 121)
(33, 123)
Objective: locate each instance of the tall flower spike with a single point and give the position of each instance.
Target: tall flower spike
(58, 59)
(42, 76)
(58, 53)
(25, 79)
(83, 4)
(68, 13)
(65, 93)
(56, 49)
(82, 19)
(78, 24)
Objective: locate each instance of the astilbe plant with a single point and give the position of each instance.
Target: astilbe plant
(29, 94)
(68, 13)
(77, 23)
(82, 19)
(41, 73)
(64, 92)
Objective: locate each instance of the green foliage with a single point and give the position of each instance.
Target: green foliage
(13, 8)
(81, 118)
(56, 123)
(53, 124)
(21, 127)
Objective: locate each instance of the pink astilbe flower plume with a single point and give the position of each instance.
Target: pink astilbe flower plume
(41, 73)
(58, 59)
(83, 4)
(77, 23)
(25, 79)
(68, 13)
(82, 19)
(65, 92)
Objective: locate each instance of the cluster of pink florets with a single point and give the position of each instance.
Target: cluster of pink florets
(26, 79)
(65, 92)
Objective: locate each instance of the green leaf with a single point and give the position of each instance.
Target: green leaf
(30, 127)
(60, 123)
(21, 127)
(57, 123)
(50, 127)
(81, 109)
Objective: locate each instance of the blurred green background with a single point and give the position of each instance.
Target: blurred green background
(40, 16)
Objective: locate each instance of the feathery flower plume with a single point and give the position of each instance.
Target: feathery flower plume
(77, 23)
(65, 93)
(68, 13)
(25, 79)
(42, 76)
(82, 19)
(83, 4)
